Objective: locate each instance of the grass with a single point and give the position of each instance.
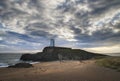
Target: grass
(110, 62)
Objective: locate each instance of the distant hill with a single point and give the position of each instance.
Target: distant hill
(113, 54)
(55, 53)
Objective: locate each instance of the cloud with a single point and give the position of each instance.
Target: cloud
(92, 23)
(83, 23)
(112, 49)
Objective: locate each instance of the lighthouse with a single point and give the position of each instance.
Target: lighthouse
(52, 43)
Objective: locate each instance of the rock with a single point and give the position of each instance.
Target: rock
(26, 57)
(21, 65)
(31, 57)
(52, 54)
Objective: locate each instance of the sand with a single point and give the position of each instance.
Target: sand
(56, 71)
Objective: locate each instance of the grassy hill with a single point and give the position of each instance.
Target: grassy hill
(110, 62)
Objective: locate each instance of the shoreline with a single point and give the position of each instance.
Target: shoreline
(5, 65)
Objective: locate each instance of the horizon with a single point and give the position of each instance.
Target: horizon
(36, 51)
(91, 25)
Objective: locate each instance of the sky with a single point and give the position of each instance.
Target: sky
(28, 25)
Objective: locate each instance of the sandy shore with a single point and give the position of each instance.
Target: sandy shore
(56, 71)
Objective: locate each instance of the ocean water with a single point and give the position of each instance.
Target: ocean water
(7, 59)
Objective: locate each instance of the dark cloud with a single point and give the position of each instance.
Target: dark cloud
(21, 36)
(82, 17)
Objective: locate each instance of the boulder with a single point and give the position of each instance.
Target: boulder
(21, 65)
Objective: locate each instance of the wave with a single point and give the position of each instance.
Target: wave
(4, 65)
(12, 59)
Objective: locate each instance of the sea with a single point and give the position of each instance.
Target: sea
(8, 59)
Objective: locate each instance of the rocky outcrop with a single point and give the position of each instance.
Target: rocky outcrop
(31, 57)
(52, 54)
(21, 65)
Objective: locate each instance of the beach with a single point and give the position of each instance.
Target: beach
(64, 71)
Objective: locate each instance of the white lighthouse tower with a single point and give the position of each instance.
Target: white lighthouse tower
(52, 43)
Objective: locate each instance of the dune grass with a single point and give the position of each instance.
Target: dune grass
(110, 62)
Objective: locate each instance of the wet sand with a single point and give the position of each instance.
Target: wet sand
(56, 71)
